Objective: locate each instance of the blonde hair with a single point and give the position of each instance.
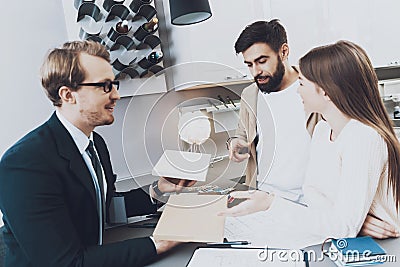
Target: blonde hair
(62, 67)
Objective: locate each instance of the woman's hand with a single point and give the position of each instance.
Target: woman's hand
(377, 228)
(254, 201)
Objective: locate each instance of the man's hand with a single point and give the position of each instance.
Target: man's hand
(164, 245)
(166, 184)
(377, 228)
(236, 146)
(255, 201)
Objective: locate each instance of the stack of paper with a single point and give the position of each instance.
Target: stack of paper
(263, 230)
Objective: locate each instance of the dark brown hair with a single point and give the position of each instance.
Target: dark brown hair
(271, 33)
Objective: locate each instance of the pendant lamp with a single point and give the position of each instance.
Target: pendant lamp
(186, 12)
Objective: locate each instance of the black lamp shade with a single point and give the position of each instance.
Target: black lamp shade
(186, 12)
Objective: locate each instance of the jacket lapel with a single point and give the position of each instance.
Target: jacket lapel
(68, 150)
(252, 109)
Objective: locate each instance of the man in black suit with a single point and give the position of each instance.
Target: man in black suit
(55, 189)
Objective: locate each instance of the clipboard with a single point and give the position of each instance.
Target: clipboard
(192, 218)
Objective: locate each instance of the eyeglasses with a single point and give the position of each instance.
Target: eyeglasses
(107, 85)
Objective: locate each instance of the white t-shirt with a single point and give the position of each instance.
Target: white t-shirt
(283, 145)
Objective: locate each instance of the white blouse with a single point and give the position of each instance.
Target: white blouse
(344, 178)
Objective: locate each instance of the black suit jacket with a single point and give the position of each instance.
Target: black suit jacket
(49, 204)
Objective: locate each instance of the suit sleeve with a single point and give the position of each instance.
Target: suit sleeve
(138, 202)
(41, 224)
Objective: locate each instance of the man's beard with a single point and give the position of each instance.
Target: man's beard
(274, 81)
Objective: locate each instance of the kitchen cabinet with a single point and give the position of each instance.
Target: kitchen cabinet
(203, 54)
(371, 24)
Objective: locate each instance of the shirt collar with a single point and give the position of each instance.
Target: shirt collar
(80, 139)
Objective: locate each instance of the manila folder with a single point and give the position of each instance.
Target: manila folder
(192, 218)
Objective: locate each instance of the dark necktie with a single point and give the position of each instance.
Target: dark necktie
(99, 173)
(96, 165)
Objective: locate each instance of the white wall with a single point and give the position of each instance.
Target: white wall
(372, 24)
(29, 29)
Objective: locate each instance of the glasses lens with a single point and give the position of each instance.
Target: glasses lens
(116, 83)
(108, 85)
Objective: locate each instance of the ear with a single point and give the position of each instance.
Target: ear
(323, 93)
(284, 51)
(66, 95)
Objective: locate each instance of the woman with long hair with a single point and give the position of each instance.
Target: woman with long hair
(354, 165)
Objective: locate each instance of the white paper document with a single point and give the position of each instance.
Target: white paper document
(264, 231)
(183, 165)
(216, 257)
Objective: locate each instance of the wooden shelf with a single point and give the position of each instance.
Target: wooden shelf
(221, 84)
